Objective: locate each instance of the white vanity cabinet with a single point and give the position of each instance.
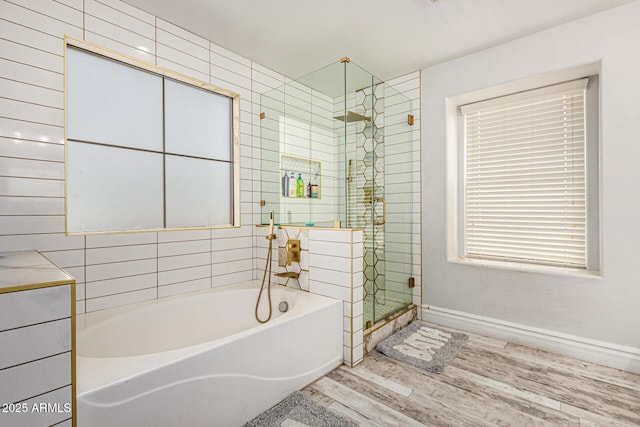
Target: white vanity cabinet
(37, 340)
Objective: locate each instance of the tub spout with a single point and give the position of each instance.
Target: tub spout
(288, 274)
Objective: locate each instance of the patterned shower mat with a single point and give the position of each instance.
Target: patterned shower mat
(423, 346)
(296, 410)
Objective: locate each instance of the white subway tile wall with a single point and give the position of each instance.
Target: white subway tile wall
(113, 269)
(335, 270)
(118, 269)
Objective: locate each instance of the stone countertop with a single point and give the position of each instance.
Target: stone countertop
(27, 270)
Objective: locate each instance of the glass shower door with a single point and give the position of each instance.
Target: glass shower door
(355, 126)
(393, 201)
(389, 265)
(379, 190)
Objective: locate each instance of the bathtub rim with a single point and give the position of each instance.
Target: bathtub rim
(87, 320)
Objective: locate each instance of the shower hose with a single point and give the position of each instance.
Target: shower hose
(267, 267)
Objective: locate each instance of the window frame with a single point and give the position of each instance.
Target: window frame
(455, 166)
(165, 74)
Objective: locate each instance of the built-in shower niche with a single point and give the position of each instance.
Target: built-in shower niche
(296, 170)
(355, 128)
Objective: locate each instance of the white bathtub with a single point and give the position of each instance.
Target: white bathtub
(201, 359)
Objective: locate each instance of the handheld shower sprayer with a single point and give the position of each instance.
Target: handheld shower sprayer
(270, 236)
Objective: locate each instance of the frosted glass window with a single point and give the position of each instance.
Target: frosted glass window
(197, 122)
(198, 192)
(145, 152)
(112, 188)
(112, 103)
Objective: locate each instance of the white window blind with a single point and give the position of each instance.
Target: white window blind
(525, 197)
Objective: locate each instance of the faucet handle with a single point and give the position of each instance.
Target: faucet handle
(293, 251)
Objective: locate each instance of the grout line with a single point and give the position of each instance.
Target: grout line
(84, 299)
(157, 265)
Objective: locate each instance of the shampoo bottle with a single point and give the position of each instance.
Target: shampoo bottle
(292, 185)
(299, 186)
(285, 184)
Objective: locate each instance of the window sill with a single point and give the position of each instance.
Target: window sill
(528, 268)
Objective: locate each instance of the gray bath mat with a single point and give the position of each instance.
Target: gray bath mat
(296, 410)
(423, 346)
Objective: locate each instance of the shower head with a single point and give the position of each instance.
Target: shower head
(353, 117)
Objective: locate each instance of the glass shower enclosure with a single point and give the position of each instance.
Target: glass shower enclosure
(345, 134)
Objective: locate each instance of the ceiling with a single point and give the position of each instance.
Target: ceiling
(388, 38)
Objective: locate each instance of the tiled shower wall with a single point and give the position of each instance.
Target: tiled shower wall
(112, 269)
(299, 122)
(117, 269)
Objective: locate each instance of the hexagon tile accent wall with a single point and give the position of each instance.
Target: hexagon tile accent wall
(369, 187)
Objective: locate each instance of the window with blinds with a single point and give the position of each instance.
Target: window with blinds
(525, 177)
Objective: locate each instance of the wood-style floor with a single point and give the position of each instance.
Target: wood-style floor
(489, 382)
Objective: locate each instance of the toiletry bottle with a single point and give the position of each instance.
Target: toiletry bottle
(299, 186)
(309, 190)
(292, 185)
(285, 184)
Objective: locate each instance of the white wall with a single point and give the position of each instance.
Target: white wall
(112, 269)
(591, 310)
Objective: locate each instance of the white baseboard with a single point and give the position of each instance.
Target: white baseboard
(601, 352)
